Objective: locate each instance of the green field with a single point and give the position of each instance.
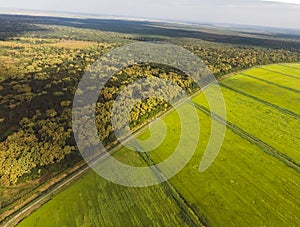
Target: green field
(285, 81)
(249, 184)
(93, 201)
(257, 89)
(273, 126)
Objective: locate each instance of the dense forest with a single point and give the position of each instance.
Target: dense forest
(42, 60)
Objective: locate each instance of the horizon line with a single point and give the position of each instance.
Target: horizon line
(30, 12)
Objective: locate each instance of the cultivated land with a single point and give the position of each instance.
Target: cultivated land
(263, 121)
(253, 182)
(93, 201)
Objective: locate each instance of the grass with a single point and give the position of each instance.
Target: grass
(274, 78)
(245, 186)
(292, 69)
(279, 130)
(270, 124)
(94, 201)
(269, 93)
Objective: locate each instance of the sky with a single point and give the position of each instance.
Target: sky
(278, 13)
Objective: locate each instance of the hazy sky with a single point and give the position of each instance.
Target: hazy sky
(251, 12)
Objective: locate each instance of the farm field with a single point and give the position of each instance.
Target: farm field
(292, 69)
(93, 201)
(280, 118)
(285, 81)
(262, 118)
(264, 92)
(245, 186)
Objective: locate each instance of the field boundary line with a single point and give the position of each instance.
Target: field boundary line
(252, 139)
(280, 73)
(288, 66)
(283, 110)
(170, 189)
(269, 82)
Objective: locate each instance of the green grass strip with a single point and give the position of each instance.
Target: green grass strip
(283, 110)
(288, 66)
(284, 74)
(252, 139)
(269, 82)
